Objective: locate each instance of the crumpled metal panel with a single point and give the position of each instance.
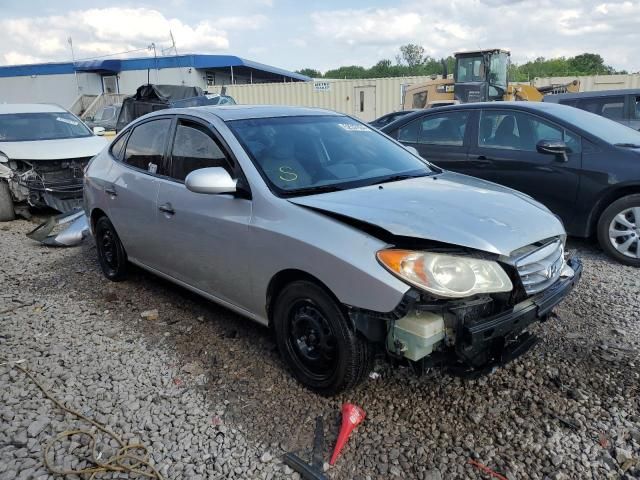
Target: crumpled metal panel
(72, 235)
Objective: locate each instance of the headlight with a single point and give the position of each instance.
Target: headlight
(3, 158)
(443, 275)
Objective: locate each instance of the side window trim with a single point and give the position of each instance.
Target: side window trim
(128, 133)
(123, 135)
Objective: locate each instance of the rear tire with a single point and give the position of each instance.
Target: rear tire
(7, 211)
(111, 253)
(619, 230)
(317, 341)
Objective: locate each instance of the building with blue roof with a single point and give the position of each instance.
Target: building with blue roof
(64, 82)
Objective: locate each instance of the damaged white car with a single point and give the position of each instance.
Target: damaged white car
(43, 152)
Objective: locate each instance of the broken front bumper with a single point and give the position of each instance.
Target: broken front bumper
(497, 339)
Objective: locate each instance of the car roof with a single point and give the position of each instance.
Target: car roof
(549, 108)
(596, 94)
(243, 112)
(6, 108)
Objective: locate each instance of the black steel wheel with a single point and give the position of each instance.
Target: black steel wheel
(317, 341)
(111, 253)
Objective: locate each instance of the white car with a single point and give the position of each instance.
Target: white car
(43, 152)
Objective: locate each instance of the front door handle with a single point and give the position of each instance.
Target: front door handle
(111, 191)
(167, 208)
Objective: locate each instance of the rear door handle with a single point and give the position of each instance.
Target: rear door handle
(167, 208)
(111, 191)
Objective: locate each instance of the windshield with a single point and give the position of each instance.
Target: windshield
(470, 69)
(601, 127)
(18, 127)
(303, 155)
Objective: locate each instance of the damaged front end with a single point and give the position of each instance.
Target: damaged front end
(52, 183)
(470, 336)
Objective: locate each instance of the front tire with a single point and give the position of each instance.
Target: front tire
(317, 341)
(7, 211)
(619, 230)
(111, 253)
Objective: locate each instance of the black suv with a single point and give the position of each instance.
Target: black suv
(622, 106)
(583, 167)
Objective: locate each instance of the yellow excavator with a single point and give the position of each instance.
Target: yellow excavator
(479, 76)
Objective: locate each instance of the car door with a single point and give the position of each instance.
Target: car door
(439, 138)
(507, 146)
(133, 190)
(205, 237)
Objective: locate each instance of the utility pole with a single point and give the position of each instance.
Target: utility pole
(155, 56)
(73, 59)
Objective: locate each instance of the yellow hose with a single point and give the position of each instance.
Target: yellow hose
(123, 461)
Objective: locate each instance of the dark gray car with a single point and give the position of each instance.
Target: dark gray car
(583, 167)
(338, 237)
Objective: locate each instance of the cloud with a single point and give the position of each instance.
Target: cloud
(103, 31)
(370, 26)
(246, 22)
(529, 28)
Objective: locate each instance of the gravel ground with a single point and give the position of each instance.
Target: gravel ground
(206, 392)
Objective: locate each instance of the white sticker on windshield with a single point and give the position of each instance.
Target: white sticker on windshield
(66, 120)
(354, 127)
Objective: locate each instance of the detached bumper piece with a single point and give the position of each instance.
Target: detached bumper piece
(499, 339)
(76, 228)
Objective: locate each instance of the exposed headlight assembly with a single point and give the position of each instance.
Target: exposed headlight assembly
(447, 276)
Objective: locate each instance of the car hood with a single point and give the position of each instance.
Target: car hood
(54, 149)
(449, 208)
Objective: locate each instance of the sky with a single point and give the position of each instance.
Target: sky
(319, 34)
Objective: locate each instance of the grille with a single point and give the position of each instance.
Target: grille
(542, 267)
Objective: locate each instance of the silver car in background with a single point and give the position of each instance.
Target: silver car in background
(338, 237)
(43, 152)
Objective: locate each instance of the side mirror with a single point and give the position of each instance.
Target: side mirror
(554, 147)
(98, 131)
(212, 180)
(413, 150)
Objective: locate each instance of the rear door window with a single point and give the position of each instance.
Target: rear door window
(635, 107)
(146, 146)
(439, 129)
(194, 148)
(608, 107)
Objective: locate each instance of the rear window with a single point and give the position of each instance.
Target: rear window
(20, 127)
(608, 107)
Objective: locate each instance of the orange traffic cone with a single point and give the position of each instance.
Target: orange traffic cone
(352, 416)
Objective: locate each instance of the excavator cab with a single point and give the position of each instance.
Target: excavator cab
(481, 75)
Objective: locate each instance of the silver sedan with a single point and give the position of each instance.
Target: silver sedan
(341, 239)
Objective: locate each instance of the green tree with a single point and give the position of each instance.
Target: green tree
(310, 72)
(411, 54)
(352, 71)
(589, 64)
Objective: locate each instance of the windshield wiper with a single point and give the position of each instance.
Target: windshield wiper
(627, 145)
(401, 176)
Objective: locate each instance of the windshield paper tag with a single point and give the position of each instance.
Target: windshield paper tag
(350, 127)
(66, 120)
